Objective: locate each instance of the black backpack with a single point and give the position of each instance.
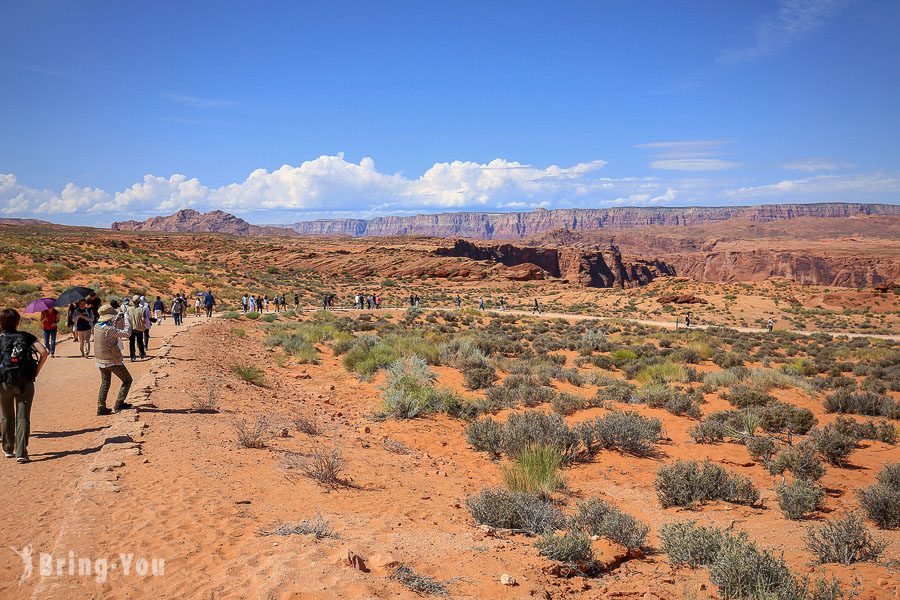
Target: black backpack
(18, 359)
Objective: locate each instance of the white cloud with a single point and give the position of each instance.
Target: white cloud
(833, 187)
(694, 164)
(811, 165)
(198, 102)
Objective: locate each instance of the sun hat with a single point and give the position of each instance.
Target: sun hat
(107, 313)
(136, 298)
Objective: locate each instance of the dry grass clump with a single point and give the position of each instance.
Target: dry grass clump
(251, 374)
(307, 423)
(535, 470)
(208, 402)
(255, 434)
(323, 465)
(417, 583)
(318, 527)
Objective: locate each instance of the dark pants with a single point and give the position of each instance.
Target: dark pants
(50, 341)
(209, 311)
(177, 318)
(146, 340)
(15, 402)
(136, 336)
(106, 374)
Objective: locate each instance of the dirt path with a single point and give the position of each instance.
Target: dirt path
(67, 438)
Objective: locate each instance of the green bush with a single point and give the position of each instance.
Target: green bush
(531, 428)
(686, 543)
(666, 372)
(742, 571)
(777, 417)
(615, 391)
(628, 432)
(252, 315)
(478, 373)
(882, 431)
(760, 448)
(535, 470)
(597, 517)
(566, 404)
(658, 395)
(572, 547)
(870, 404)
(686, 483)
(231, 315)
(800, 498)
(250, 374)
(725, 378)
(845, 541)
(741, 396)
(503, 509)
(410, 390)
(269, 318)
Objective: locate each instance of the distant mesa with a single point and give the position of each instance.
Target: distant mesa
(192, 221)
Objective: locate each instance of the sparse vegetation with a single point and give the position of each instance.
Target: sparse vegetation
(686, 483)
(844, 541)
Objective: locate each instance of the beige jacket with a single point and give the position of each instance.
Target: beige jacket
(107, 352)
(136, 317)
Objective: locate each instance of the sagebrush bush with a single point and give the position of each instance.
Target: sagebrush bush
(725, 377)
(566, 404)
(835, 447)
(627, 432)
(741, 396)
(760, 448)
(801, 460)
(686, 483)
(503, 509)
(743, 571)
(410, 391)
(615, 391)
(870, 404)
(253, 434)
(478, 373)
(844, 541)
(572, 547)
(881, 501)
(665, 372)
(686, 543)
(531, 428)
(659, 395)
(708, 432)
(535, 470)
(799, 498)
(486, 435)
(882, 431)
(597, 517)
(777, 417)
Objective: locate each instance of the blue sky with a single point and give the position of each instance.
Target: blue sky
(285, 111)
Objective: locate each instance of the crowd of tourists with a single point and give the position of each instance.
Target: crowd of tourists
(262, 303)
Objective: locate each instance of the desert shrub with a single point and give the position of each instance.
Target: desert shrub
(370, 353)
(566, 404)
(503, 509)
(323, 465)
(686, 483)
(728, 360)
(622, 356)
(835, 447)
(862, 403)
(760, 448)
(881, 501)
(658, 395)
(478, 373)
(531, 428)
(708, 432)
(250, 373)
(410, 392)
(616, 391)
(572, 547)
(844, 541)
(307, 423)
(485, 435)
(597, 517)
(269, 318)
(882, 431)
(535, 470)
(239, 332)
(521, 389)
(318, 527)
(766, 379)
(686, 543)
(252, 315)
(725, 377)
(777, 417)
(253, 435)
(417, 583)
(627, 432)
(742, 571)
(742, 396)
(799, 498)
(208, 401)
(801, 460)
(231, 315)
(665, 372)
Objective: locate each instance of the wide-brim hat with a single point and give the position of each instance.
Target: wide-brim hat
(107, 313)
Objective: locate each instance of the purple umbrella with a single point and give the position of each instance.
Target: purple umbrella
(39, 305)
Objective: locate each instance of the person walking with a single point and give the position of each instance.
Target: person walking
(22, 357)
(84, 323)
(135, 317)
(536, 309)
(687, 321)
(159, 308)
(458, 301)
(481, 304)
(148, 322)
(770, 325)
(197, 306)
(296, 300)
(177, 309)
(209, 301)
(70, 322)
(50, 325)
(108, 333)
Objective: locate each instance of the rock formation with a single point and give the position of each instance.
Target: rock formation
(586, 268)
(520, 225)
(192, 221)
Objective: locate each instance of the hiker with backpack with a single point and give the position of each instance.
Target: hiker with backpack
(108, 333)
(21, 358)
